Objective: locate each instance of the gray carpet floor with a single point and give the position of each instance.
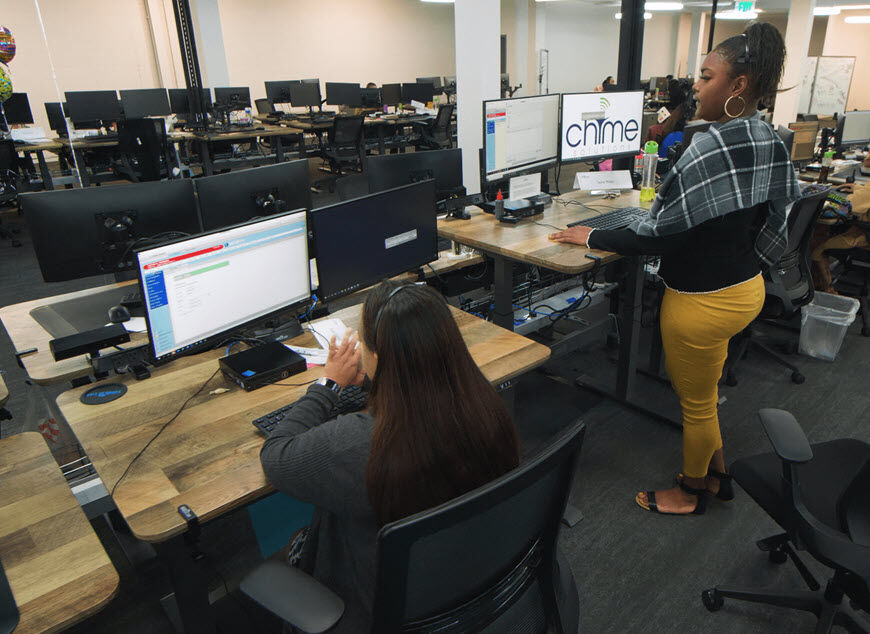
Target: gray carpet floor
(636, 572)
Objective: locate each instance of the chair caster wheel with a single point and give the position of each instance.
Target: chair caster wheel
(865, 331)
(713, 601)
(777, 557)
(730, 380)
(798, 378)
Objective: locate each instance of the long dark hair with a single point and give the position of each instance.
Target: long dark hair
(765, 61)
(440, 427)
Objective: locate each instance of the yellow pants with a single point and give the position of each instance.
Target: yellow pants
(696, 328)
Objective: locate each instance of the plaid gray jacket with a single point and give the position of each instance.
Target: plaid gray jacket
(733, 166)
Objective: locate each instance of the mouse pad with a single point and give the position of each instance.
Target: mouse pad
(78, 315)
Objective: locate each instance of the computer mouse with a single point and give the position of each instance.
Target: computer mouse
(119, 314)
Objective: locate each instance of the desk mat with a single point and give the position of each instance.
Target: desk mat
(80, 314)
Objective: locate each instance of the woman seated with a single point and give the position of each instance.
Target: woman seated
(435, 429)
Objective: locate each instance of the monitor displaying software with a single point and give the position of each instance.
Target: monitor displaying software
(199, 289)
(520, 135)
(856, 128)
(600, 125)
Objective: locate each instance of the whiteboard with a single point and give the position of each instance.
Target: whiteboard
(808, 75)
(831, 86)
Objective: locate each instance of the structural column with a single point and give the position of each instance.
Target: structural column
(797, 42)
(477, 27)
(210, 42)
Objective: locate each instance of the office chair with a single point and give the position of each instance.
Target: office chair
(343, 149)
(818, 495)
(788, 285)
(143, 150)
(441, 570)
(437, 135)
(9, 184)
(855, 261)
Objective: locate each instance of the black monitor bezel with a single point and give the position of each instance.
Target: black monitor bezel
(166, 111)
(113, 116)
(392, 272)
(275, 90)
(598, 157)
(342, 86)
(395, 87)
(521, 171)
(409, 99)
(205, 96)
(28, 120)
(231, 90)
(209, 342)
(312, 90)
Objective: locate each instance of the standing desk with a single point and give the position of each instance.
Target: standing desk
(208, 457)
(57, 568)
(527, 242)
(273, 132)
(380, 125)
(39, 149)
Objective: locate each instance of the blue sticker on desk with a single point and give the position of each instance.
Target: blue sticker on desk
(105, 393)
(248, 373)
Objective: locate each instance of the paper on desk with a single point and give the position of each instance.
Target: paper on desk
(524, 186)
(30, 134)
(312, 356)
(620, 179)
(324, 329)
(134, 324)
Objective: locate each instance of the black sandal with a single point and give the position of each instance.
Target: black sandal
(700, 505)
(726, 487)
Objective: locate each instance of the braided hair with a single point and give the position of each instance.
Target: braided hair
(758, 53)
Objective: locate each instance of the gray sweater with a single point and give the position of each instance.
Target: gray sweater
(323, 462)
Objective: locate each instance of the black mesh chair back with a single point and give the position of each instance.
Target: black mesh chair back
(789, 283)
(442, 119)
(346, 133)
(484, 561)
(143, 148)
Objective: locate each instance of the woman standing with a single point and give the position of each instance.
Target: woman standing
(719, 215)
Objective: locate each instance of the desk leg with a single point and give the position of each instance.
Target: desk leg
(205, 158)
(44, 171)
(503, 309)
(382, 139)
(279, 149)
(82, 168)
(190, 586)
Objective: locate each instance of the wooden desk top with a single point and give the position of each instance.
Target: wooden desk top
(268, 130)
(527, 242)
(208, 457)
(50, 144)
(25, 332)
(56, 565)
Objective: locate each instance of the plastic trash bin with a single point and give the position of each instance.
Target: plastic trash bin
(824, 322)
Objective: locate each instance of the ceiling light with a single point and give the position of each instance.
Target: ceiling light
(826, 11)
(853, 7)
(737, 15)
(438, 1)
(858, 19)
(663, 6)
(646, 15)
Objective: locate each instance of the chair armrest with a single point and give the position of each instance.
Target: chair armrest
(788, 439)
(293, 596)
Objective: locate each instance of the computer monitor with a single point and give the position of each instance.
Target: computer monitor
(391, 94)
(520, 135)
(200, 289)
(91, 231)
(787, 136)
(279, 91)
(147, 102)
(449, 84)
(56, 119)
(232, 97)
(305, 94)
(16, 109)
(435, 81)
(240, 195)
(856, 128)
(179, 103)
(389, 171)
(90, 106)
(371, 97)
(596, 125)
(312, 80)
(424, 93)
(339, 94)
(803, 147)
(392, 232)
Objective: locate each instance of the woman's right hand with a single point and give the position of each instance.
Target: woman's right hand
(577, 234)
(344, 362)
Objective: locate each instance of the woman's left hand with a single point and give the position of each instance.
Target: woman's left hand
(573, 235)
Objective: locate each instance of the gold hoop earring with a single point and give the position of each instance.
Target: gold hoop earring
(742, 109)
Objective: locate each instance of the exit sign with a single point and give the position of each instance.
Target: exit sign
(744, 7)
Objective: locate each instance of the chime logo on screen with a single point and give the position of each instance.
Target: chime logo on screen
(596, 126)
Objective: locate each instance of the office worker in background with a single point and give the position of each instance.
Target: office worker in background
(718, 216)
(682, 108)
(608, 81)
(435, 429)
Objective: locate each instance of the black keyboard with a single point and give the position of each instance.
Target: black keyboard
(616, 219)
(352, 399)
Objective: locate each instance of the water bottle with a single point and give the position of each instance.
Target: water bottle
(648, 176)
(827, 164)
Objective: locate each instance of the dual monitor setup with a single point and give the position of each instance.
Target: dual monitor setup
(851, 129)
(528, 135)
(218, 253)
(306, 93)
